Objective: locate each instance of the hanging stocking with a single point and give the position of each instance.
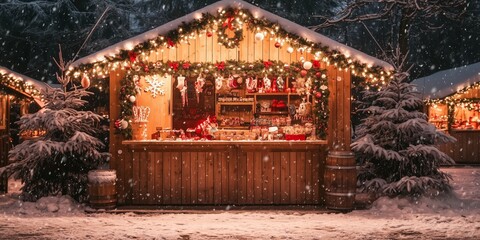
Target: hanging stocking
(199, 86)
(280, 84)
(182, 86)
(251, 85)
(267, 84)
(218, 83)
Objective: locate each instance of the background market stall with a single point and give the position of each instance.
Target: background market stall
(14, 87)
(238, 74)
(453, 104)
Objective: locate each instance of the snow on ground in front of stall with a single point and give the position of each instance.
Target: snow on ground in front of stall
(445, 218)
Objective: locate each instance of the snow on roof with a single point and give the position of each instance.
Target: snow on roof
(448, 82)
(28, 80)
(257, 12)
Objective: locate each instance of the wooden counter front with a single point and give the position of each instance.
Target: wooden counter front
(221, 172)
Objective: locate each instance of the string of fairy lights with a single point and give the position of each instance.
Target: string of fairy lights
(457, 100)
(232, 20)
(18, 84)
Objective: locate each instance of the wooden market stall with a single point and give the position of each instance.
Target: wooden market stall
(453, 104)
(13, 86)
(232, 104)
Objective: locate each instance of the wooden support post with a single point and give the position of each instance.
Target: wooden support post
(340, 171)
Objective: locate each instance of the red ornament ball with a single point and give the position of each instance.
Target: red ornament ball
(209, 34)
(277, 45)
(318, 95)
(303, 73)
(318, 74)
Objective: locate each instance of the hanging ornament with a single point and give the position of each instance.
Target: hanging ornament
(259, 36)
(182, 87)
(301, 50)
(85, 81)
(307, 65)
(318, 74)
(132, 98)
(123, 124)
(303, 72)
(290, 49)
(156, 85)
(318, 95)
(199, 86)
(277, 45)
(209, 34)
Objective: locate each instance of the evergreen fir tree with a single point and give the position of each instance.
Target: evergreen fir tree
(395, 144)
(58, 161)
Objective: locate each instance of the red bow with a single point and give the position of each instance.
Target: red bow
(186, 65)
(220, 66)
(228, 23)
(170, 43)
(132, 55)
(174, 65)
(316, 63)
(267, 64)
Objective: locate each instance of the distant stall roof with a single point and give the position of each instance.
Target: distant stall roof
(448, 82)
(38, 85)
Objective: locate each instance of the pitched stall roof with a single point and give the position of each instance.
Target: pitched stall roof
(257, 12)
(28, 81)
(448, 82)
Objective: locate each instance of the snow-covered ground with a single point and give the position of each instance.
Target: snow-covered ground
(446, 218)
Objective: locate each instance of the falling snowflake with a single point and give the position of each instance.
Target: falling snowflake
(156, 86)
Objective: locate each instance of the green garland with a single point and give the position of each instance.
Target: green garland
(18, 85)
(239, 16)
(259, 68)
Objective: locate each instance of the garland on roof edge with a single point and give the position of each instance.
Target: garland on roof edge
(18, 85)
(231, 20)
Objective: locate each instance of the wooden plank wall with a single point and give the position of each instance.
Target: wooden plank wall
(467, 148)
(339, 122)
(207, 49)
(225, 174)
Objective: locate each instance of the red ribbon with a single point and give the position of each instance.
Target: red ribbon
(267, 64)
(132, 55)
(186, 65)
(170, 43)
(174, 65)
(316, 63)
(220, 66)
(228, 23)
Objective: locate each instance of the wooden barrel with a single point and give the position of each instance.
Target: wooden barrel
(101, 189)
(340, 180)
